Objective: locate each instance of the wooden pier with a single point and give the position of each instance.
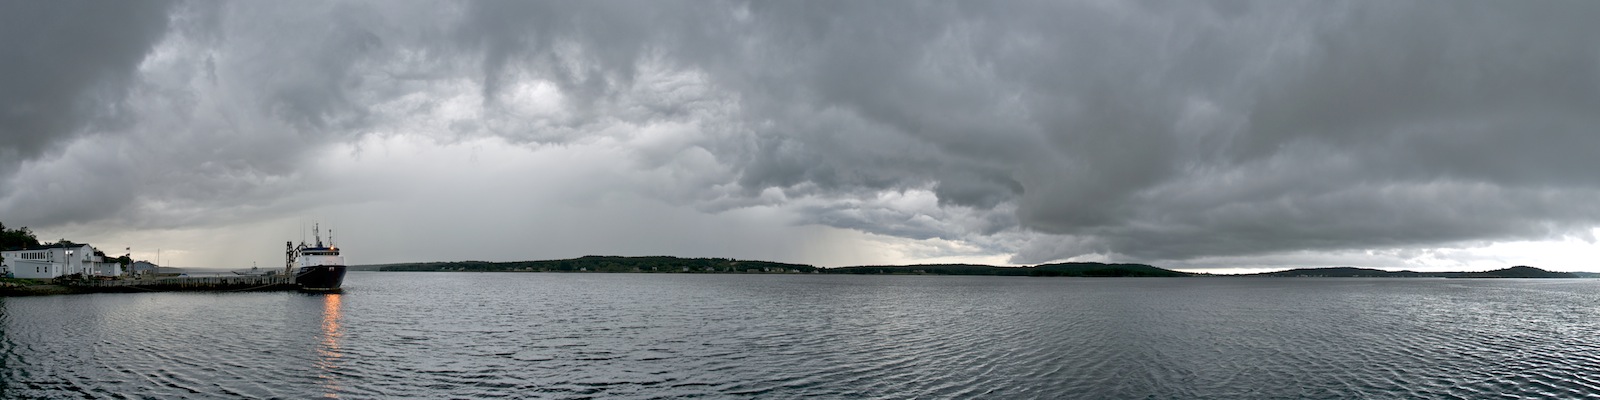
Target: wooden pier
(193, 283)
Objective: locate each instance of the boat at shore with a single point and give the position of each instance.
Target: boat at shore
(315, 267)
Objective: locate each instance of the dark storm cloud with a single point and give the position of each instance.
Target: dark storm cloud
(66, 68)
(1398, 126)
(1174, 131)
(1045, 130)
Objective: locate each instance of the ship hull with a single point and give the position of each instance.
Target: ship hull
(321, 278)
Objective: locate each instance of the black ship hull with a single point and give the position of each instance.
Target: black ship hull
(322, 278)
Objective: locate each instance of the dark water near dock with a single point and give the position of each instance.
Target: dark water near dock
(444, 335)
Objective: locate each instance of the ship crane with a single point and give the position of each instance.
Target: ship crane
(292, 252)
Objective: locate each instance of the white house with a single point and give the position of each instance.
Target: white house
(107, 268)
(46, 262)
(143, 267)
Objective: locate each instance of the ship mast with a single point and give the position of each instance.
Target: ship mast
(288, 263)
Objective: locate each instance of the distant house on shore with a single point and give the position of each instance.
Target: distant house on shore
(144, 267)
(50, 261)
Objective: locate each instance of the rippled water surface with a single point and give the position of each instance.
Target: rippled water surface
(445, 335)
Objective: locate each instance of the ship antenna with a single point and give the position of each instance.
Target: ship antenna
(316, 231)
(330, 238)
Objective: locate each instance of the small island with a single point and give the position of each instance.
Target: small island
(1520, 271)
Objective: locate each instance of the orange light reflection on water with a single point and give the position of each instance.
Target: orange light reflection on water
(328, 353)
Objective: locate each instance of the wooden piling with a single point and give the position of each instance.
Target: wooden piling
(188, 283)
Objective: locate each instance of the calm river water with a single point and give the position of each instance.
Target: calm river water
(548, 335)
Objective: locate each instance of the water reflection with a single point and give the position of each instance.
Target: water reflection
(470, 335)
(329, 355)
(5, 342)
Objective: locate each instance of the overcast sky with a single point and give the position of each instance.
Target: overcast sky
(1186, 134)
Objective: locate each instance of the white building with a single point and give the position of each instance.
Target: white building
(46, 262)
(144, 267)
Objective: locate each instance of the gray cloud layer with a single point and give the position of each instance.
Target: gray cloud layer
(1044, 130)
(67, 68)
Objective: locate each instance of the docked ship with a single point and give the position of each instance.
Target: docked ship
(316, 267)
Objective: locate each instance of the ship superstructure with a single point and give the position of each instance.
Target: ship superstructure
(315, 267)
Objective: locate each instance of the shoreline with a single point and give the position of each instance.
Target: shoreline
(175, 284)
(37, 290)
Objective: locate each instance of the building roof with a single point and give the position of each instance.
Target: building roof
(49, 246)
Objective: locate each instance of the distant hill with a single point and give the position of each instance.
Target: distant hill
(1514, 272)
(1078, 269)
(929, 269)
(668, 264)
(1103, 270)
(604, 264)
(1345, 272)
(1352, 272)
(724, 265)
